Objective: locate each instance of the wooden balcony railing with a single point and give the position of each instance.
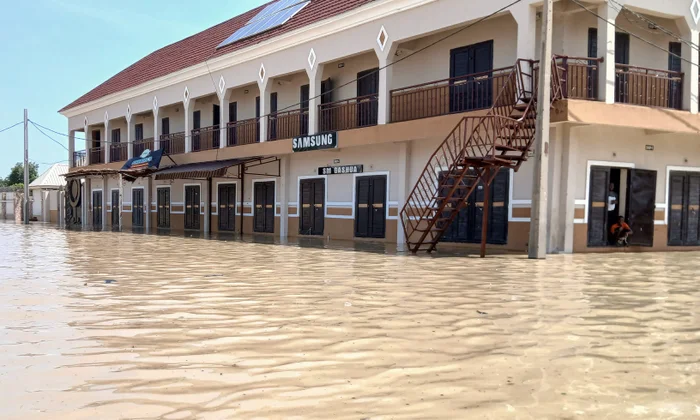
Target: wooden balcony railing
(243, 132)
(173, 144)
(141, 145)
(118, 152)
(97, 155)
(349, 113)
(579, 76)
(80, 158)
(288, 124)
(648, 87)
(447, 96)
(206, 138)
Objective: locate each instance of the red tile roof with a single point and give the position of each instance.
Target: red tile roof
(202, 46)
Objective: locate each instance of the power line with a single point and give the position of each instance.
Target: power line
(482, 19)
(49, 137)
(12, 126)
(634, 35)
(458, 31)
(668, 32)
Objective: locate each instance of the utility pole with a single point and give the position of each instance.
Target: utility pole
(537, 248)
(26, 169)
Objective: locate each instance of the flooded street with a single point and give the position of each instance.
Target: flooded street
(102, 325)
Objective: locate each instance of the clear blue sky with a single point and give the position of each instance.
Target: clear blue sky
(53, 51)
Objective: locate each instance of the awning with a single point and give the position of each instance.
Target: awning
(201, 170)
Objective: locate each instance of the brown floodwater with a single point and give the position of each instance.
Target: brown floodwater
(103, 325)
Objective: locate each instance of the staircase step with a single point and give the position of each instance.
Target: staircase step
(504, 148)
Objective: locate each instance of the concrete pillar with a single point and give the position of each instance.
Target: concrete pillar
(265, 88)
(105, 189)
(156, 129)
(71, 148)
(188, 109)
(568, 188)
(404, 165)
(385, 57)
(223, 117)
(690, 71)
(86, 203)
(554, 228)
(525, 16)
(87, 144)
(606, 49)
(130, 136)
(315, 79)
(206, 200)
(284, 197)
(148, 202)
(107, 142)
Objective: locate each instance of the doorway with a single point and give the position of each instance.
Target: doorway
(367, 91)
(264, 212)
(684, 208)
(622, 76)
(471, 86)
(137, 207)
(115, 209)
(216, 119)
(467, 225)
(163, 202)
(313, 201)
(227, 207)
(370, 206)
(626, 192)
(192, 207)
(97, 209)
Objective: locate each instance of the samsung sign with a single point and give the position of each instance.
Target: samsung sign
(315, 142)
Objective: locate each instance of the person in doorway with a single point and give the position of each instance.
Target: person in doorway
(612, 199)
(621, 231)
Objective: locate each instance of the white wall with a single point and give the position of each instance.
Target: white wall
(434, 63)
(348, 73)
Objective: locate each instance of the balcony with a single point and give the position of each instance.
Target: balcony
(347, 114)
(243, 132)
(80, 158)
(579, 77)
(458, 94)
(141, 145)
(206, 138)
(97, 155)
(173, 144)
(118, 152)
(648, 87)
(288, 124)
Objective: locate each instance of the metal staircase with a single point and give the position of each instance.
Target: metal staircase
(474, 152)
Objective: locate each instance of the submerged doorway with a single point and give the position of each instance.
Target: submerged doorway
(192, 207)
(115, 209)
(313, 198)
(227, 207)
(620, 191)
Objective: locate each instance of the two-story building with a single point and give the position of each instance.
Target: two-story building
(318, 117)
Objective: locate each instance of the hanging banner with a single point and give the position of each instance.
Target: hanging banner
(148, 159)
(340, 170)
(315, 142)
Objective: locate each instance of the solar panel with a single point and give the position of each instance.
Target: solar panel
(272, 16)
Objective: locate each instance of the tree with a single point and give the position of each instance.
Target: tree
(16, 176)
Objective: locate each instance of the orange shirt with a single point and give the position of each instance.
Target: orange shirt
(616, 226)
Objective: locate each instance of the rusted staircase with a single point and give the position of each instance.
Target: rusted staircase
(472, 153)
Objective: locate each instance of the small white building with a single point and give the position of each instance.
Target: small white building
(46, 193)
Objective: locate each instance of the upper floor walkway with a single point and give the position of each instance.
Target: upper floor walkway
(392, 62)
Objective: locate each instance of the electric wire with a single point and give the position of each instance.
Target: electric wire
(668, 32)
(10, 127)
(634, 35)
(49, 137)
(376, 71)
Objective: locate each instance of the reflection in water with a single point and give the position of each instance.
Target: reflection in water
(188, 328)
